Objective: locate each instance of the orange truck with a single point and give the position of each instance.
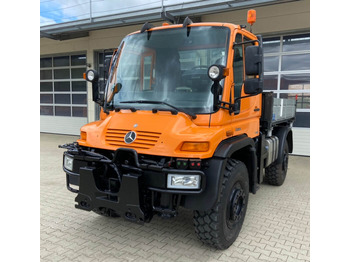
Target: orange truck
(184, 122)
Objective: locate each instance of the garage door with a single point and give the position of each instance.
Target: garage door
(63, 94)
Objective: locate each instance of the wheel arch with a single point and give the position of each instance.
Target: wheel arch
(276, 172)
(241, 148)
(247, 155)
(290, 141)
(285, 135)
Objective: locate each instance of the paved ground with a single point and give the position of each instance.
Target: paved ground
(276, 227)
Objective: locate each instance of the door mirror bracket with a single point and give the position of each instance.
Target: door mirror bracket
(92, 76)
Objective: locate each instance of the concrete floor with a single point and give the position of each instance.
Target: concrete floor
(276, 227)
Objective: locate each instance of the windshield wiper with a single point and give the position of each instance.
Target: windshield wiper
(118, 108)
(193, 116)
(132, 109)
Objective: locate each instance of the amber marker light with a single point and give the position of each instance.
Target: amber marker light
(251, 16)
(226, 72)
(83, 135)
(195, 146)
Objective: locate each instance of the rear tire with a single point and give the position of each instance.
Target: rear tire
(276, 173)
(219, 227)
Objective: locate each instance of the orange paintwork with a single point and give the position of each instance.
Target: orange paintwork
(163, 134)
(251, 16)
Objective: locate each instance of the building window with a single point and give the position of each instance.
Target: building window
(63, 90)
(287, 70)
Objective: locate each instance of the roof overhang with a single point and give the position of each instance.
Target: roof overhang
(195, 9)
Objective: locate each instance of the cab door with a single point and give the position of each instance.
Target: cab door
(246, 106)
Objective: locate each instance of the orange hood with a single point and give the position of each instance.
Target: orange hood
(158, 133)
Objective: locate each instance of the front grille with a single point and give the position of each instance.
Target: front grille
(144, 139)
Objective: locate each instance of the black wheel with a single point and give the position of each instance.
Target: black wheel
(219, 227)
(276, 173)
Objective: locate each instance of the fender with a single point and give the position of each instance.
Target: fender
(246, 153)
(228, 146)
(285, 135)
(216, 168)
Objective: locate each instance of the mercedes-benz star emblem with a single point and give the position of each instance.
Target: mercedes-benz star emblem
(130, 137)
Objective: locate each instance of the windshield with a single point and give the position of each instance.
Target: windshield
(168, 65)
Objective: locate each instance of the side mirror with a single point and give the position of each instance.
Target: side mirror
(92, 76)
(112, 91)
(253, 67)
(253, 60)
(253, 86)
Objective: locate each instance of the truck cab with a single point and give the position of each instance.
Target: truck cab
(183, 122)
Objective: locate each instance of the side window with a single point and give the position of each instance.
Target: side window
(238, 71)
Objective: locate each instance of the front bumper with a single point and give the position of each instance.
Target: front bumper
(121, 184)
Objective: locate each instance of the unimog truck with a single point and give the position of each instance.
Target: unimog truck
(184, 122)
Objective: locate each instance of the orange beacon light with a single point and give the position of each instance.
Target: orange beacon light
(251, 16)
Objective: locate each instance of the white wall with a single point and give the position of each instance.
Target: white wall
(62, 125)
(301, 141)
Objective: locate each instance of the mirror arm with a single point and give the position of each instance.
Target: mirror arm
(239, 98)
(100, 101)
(233, 107)
(230, 107)
(235, 104)
(245, 42)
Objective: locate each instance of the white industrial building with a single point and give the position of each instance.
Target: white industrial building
(69, 49)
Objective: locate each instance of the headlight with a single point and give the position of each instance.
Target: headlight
(184, 181)
(91, 75)
(68, 163)
(217, 72)
(214, 72)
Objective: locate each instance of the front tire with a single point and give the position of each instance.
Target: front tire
(219, 227)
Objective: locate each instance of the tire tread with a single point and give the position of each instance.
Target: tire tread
(210, 235)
